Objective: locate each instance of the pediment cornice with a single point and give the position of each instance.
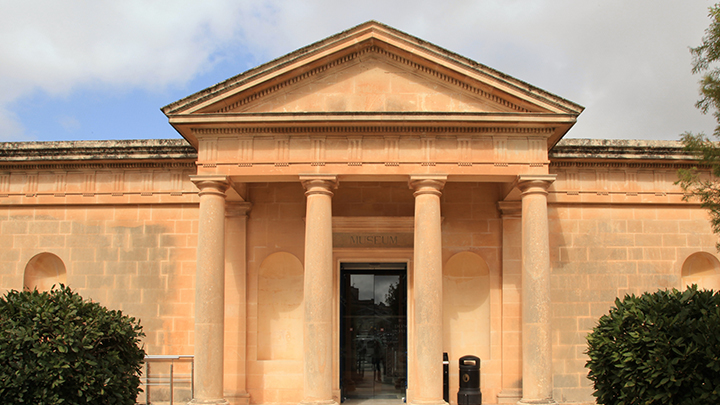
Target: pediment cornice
(472, 95)
(376, 51)
(370, 130)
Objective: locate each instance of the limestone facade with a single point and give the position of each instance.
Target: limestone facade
(371, 146)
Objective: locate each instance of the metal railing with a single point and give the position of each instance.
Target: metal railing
(167, 379)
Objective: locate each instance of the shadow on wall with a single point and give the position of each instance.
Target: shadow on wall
(44, 271)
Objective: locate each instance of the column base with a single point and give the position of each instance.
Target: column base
(323, 402)
(221, 401)
(548, 401)
(509, 396)
(238, 398)
(430, 402)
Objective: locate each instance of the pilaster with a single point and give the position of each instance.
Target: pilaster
(511, 335)
(236, 302)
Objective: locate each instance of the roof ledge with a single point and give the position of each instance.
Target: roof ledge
(602, 149)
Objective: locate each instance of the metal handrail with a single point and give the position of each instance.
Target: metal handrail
(171, 381)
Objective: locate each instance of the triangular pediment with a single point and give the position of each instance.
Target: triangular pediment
(370, 70)
(371, 82)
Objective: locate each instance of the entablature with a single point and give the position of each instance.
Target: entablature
(281, 153)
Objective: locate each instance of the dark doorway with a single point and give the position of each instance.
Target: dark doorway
(373, 330)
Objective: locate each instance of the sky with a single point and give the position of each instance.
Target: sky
(96, 69)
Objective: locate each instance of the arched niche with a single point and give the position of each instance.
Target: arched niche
(466, 306)
(703, 269)
(43, 271)
(280, 309)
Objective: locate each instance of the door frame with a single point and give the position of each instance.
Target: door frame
(362, 255)
(374, 269)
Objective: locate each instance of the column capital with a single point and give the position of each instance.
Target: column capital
(510, 209)
(319, 183)
(427, 184)
(212, 184)
(535, 184)
(237, 208)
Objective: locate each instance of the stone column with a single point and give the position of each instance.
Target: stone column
(210, 291)
(427, 286)
(537, 373)
(236, 302)
(318, 290)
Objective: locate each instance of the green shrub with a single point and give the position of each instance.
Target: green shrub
(56, 348)
(660, 348)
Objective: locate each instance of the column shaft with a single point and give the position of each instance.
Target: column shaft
(427, 276)
(536, 340)
(318, 290)
(210, 291)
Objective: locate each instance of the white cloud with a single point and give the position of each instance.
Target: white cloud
(626, 61)
(70, 124)
(56, 47)
(10, 129)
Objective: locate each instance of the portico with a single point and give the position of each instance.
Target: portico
(370, 107)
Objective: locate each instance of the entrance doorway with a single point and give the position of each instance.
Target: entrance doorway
(373, 330)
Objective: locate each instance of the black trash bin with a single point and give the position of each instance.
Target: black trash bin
(446, 378)
(469, 393)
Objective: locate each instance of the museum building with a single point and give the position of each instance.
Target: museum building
(338, 218)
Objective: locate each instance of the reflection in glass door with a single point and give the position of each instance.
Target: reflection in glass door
(373, 330)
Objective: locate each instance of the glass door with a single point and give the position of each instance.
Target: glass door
(373, 330)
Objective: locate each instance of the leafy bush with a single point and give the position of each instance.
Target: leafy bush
(56, 348)
(660, 348)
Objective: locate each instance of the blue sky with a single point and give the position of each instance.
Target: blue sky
(77, 70)
(99, 112)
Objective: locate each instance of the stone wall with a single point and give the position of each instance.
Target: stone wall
(136, 258)
(126, 237)
(602, 252)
